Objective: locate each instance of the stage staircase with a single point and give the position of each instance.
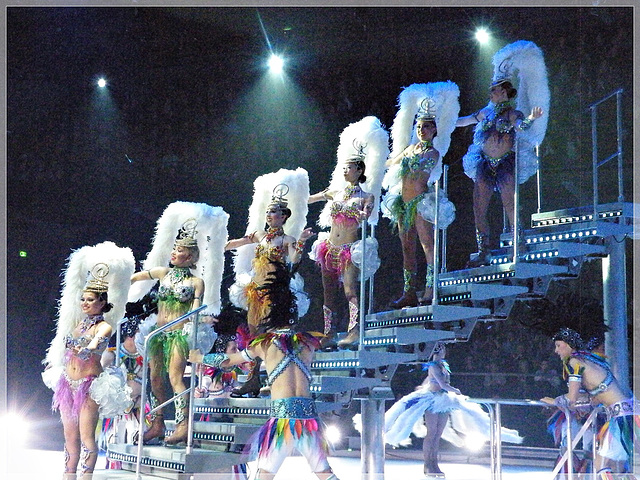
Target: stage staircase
(553, 250)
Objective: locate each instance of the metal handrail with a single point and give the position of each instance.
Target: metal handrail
(594, 152)
(496, 433)
(143, 390)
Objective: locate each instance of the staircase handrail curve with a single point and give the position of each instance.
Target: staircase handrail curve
(143, 389)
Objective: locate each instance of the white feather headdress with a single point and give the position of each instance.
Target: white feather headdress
(121, 266)
(370, 133)
(524, 60)
(211, 236)
(445, 97)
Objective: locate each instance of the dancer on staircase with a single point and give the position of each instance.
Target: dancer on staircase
(261, 248)
(413, 171)
(199, 228)
(363, 148)
(491, 158)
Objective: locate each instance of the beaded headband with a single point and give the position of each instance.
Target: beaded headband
(359, 154)
(96, 279)
(570, 337)
(427, 110)
(504, 72)
(187, 234)
(277, 197)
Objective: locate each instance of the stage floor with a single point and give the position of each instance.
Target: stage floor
(44, 464)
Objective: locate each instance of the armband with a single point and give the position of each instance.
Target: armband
(299, 246)
(246, 355)
(149, 273)
(475, 115)
(575, 377)
(84, 353)
(561, 402)
(525, 124)
(215, 359)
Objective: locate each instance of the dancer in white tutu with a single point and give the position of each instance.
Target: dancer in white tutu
(446, 413)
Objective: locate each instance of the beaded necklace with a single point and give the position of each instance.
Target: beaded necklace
(89, 321)
(425, 145)
(273, 232)
(351, 190)
(502, 107)
(178, 274)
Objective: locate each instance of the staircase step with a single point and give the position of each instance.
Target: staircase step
(532, 270)
(163, 461)
(488, 291)
(414, 335)
(450, 313)
(370, 359)
(327, 384)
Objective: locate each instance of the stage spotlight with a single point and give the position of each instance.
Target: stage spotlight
(482, 35)
(16, 426)
(333, 434)
(102, 83)
(276, 63)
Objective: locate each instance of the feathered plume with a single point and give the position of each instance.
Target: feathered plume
(445, 96)
(121, 266)
(370, 133)
(211, 236)
(525, 60)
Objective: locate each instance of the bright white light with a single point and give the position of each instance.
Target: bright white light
(102, 83)
(17, 427)
(474, 442)
(333, 434)
(276, 63)
(482, 35)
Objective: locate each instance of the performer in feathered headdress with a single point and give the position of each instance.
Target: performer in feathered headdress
(415, 165)
(189, 236)
(294, 423)
(580, 328)
(283, 196)
(490, 160)
(89, 309)
(351, 198)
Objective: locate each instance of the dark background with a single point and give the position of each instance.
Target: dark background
(191, 114)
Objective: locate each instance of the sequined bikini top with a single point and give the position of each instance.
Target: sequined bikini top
(416, 163)
(496, 121)
(82, 341)
(345, 209)
(180, 293)
(274, 253)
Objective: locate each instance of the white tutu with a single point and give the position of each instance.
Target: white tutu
(467, 419)
(111, 392)
(372, 260)
(206, 335)
(446, 209)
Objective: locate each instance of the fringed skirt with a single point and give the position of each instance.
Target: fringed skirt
(617, 436)
(293, 425)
